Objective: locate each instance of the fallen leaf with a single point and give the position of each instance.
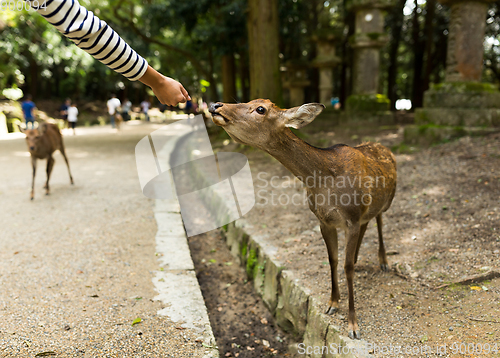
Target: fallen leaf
(136, 321)
(263, 320)
(45, 354)
(475, 288)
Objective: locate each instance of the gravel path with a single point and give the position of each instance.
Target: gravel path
(76, 266)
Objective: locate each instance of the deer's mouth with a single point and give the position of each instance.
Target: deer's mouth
(219, 119)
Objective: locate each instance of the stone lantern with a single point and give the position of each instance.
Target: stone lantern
(325, 61)
(462, 104)
(368, 39)
(295, 80)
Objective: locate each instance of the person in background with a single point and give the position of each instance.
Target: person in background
(126, 107)
(113, 104)
(72, 116)
(28, 106)
(97, 38)
(145, 108)
(63, 110)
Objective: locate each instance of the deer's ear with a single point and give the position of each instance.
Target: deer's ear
(299, 117)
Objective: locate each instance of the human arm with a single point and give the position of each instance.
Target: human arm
(167, 90)
(98, 39)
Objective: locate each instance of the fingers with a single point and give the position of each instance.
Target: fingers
(185, 93)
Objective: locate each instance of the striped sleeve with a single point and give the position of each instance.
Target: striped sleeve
(94, 36)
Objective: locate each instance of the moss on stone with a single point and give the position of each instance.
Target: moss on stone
(463, 87)
(374, 35)
(243, 250)
(368, 103)
(251, 266)
(381, 4)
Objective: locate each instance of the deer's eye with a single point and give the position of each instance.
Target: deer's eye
(261, 110)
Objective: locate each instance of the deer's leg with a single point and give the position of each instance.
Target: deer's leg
(33, 164)
(330, 236)
(361, 235)
(352, 237)
(63, 152)
(50, 165)
(382, 257)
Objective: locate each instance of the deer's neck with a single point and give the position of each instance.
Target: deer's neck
(301, 158)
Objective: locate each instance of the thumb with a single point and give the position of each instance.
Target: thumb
(185, 93)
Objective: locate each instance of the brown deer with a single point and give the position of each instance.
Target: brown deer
(42, 143)
(346, 186)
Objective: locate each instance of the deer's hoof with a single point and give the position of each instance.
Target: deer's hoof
(354, 334)
(32, 198)
(331, 310)
(384, 267)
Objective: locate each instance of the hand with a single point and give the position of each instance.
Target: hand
(167, 90)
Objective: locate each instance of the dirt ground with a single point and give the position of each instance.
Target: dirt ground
(444, 224)
(76, 266)
(242, 325)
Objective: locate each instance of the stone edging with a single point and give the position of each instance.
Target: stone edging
(176, 281)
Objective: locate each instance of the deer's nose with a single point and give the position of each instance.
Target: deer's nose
(32, 148)
(214, 107)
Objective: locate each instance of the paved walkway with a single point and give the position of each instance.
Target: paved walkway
(77, 267)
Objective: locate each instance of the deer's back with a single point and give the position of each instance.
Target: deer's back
(366, 172)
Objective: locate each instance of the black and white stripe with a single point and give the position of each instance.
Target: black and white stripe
(94, 36)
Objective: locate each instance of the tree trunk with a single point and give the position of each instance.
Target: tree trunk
(429, 32)
(397, 25)
(263, 39)
(347, 58)
(228, 79)
(418, 61)
(244, 71)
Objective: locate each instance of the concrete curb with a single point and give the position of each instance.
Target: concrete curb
(176, 281)
(293, 306)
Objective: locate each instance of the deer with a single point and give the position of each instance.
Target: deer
(262, 124)
(42, 143)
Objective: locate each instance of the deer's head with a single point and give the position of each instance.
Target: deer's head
(256, 122)
(33, 137)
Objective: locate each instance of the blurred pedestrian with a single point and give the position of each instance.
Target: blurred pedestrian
(63, 110)
(126, 107)
(97, 38)
(145, 108)
(72, 116)
(113, 104)
(28, 106)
